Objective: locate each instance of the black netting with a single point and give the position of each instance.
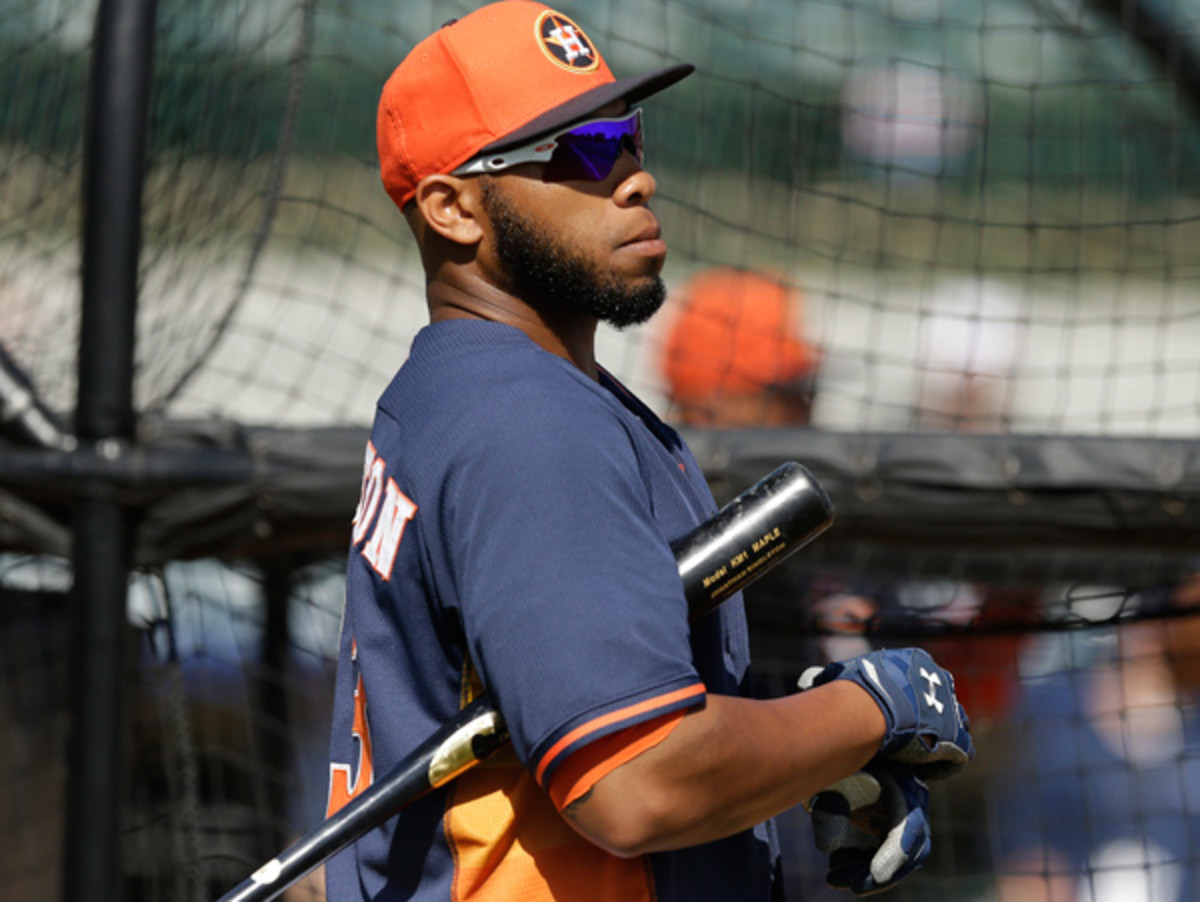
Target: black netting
(979, 223)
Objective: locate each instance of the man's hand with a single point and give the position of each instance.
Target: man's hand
(874, 826)
(926, 726)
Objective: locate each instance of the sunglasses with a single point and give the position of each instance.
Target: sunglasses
(585, 152)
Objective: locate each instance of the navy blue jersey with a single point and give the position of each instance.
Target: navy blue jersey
(514, 532)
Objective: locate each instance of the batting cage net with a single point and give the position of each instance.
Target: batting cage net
(944, 253)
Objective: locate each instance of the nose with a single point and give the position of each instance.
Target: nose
(636, 187)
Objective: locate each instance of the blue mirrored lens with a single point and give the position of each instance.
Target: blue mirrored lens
(589, 151)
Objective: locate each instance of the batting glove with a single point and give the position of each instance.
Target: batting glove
(874, 825)
(926, 726)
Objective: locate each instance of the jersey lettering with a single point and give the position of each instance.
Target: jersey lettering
(341, 787)
(394, 515)
(368, 499)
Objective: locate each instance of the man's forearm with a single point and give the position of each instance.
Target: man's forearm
(728, 766)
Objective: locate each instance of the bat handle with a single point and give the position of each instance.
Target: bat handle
(461, 743)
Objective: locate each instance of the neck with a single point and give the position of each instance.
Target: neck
(569, 336)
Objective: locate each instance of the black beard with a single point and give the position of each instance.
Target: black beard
(547, 276)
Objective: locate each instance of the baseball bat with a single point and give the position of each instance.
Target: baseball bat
(750, 535)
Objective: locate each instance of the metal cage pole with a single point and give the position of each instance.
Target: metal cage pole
(114, 161)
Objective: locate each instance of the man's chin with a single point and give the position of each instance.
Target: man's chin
(636, 307)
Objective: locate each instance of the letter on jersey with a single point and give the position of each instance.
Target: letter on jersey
(368, 499)
(341, 787)
(394, 514)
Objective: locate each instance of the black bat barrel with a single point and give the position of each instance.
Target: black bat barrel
(775, 517)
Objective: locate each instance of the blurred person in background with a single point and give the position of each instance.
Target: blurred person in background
(1100, 798)
(735, 355)
(970, 340)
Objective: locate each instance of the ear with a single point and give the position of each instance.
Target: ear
(450, 207)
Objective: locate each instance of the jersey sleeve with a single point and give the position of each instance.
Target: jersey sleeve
(569, 594)
(583, 770)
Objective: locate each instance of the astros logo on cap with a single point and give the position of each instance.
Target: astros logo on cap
(565, 43)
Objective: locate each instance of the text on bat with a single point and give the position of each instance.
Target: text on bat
(759, 544)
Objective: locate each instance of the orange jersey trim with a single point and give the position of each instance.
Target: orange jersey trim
(696, 690)
(581, 771)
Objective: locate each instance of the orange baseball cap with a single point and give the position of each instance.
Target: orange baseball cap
(496, 78)
(736, 334)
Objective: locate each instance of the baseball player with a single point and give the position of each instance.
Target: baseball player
(514, 533)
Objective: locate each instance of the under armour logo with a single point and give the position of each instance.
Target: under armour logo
(931, 699)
